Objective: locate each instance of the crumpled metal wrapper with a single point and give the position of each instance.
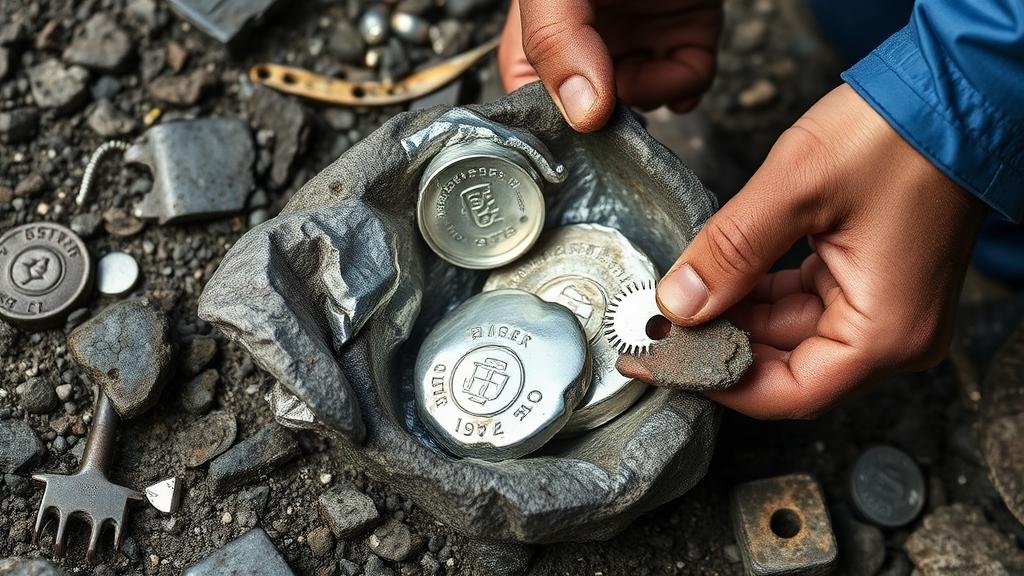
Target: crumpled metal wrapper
(329, 298)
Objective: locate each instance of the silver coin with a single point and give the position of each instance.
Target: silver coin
(499, 376)
(116, 273)
(581, 267)
(480, 205)
(45, 273)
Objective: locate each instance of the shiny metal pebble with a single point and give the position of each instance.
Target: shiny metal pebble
(499, 376)
(45, 273)
(116, 273)
(373, 24)
(581, 267)
(887, 487)
(480, 205)
(410, 28)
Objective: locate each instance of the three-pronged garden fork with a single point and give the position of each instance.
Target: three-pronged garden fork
(88, 494)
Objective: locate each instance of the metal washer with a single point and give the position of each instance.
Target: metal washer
(480, 205)
(45, 273)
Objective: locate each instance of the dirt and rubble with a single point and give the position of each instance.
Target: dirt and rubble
(61, 97)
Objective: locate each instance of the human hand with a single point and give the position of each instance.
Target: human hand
(653, 52)
(891, 236)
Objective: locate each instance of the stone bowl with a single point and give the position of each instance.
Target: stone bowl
(334, 295)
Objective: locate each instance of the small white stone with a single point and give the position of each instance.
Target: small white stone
(225, 518)
(63, 391)
(326, 478)
(165, 495)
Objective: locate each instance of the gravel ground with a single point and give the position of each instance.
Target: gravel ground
(772, 67)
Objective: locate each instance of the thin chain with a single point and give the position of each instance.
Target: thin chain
(90, 168)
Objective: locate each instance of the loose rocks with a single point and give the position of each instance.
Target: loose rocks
(180, 90)
(58, 87)
(288, 120)
(499, 558)
(958, 540)
(106, 120)
(197, 355)
(207, 438)
(197, 394)
(393, 541)
(19, 446)
(251, 553)
(38, 397)
(28, 567)
(257, 455)
(18, 125)
(125, 350)
(100, 44)
(347, 511)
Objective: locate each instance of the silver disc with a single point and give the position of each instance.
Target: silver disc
(499, 376)
(45, 273)
(480, 205)
(581, 267)
(116, 273)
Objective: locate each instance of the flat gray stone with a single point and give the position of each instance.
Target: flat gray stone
(19, 446)
(1001, 426)
(124, 349)
(251, 554)
(106, 120)
(206, 438)
(289, 121)
(376, 567)
(253, 457)
(957, 539)
(29, 567)
(347, 511)
(55, 86)
(99, 44)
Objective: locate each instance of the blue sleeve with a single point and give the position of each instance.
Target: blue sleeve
(952, 84)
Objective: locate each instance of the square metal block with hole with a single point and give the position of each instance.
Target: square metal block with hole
(782, 526)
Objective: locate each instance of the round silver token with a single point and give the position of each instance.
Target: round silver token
(581, 267)
(480, 205)
(116, 273)
(499, 376)
(45, 273)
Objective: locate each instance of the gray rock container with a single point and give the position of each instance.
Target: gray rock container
(334, 295)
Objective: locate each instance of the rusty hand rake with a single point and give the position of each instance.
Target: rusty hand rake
(87, 493)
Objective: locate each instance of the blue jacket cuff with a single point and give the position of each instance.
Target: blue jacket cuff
(935, 109)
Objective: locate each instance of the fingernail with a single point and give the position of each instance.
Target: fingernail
(682, 292)
(578, 98)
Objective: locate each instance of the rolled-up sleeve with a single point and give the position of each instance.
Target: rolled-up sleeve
(952, 84)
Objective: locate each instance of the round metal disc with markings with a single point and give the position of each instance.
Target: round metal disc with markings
(500, 375)
(581, 267)
(887, 487)
(45, 273)
(480, 205)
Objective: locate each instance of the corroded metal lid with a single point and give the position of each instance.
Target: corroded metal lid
(581, 267)
(500, 375)
(480, 205)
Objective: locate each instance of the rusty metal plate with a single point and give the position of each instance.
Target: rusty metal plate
(782, 526)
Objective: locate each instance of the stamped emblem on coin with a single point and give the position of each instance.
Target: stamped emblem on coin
(501, 389)
(480, 205)
(580, 266)
(45, 272)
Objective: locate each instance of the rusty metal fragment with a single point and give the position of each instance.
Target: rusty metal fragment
(782, 527)
(302, 82)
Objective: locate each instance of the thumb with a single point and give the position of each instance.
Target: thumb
(733, 251)
(571, 59)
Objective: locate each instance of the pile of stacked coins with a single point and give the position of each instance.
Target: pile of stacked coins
(525, 360)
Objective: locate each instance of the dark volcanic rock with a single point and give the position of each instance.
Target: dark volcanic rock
(38, 396)
(19, 446)
(56, 86)
(499, 558)
(345, 43)
(376, 567)
(347, 511)
(197, 393)
(958, 539)
(289, 121)
(106, 120)
(257, 455)
(206, 438)
(394, 541)
(252, 554)
(28, 567)
(18, 125)
(125, 350)
(100, 44)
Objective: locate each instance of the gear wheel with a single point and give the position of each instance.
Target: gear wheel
(627, 317)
